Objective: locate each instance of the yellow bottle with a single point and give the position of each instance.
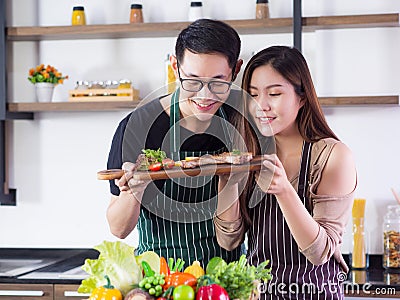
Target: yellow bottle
(78, 16)
(170, 76)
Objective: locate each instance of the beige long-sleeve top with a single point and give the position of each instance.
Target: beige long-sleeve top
(330, 212)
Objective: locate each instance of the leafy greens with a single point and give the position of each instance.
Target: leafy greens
(117, 260)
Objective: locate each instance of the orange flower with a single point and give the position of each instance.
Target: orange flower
(39, 68)
(48, 74)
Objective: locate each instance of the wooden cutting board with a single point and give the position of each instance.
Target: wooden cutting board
(178, 172)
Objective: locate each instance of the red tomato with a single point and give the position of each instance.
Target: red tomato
(168, 163)
(155, 167)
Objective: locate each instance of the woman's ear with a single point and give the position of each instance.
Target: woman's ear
(174, 64)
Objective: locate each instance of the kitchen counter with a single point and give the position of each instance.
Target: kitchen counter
(373, 282)
(57, 264)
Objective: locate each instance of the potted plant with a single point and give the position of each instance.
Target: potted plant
(45, 79)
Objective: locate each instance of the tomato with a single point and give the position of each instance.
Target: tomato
(155, 167)
(168, 163)
(183, 292)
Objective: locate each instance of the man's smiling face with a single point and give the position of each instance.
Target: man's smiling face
(203, 104)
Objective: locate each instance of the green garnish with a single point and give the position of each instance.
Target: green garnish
(156, 155)
(236, 152)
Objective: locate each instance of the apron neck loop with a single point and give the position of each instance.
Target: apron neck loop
(175, 134)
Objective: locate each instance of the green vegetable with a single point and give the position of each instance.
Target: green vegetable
(156, 155)
(238, 277)
(177, 266)
(148, 272)
(153, 284)
(117, 260)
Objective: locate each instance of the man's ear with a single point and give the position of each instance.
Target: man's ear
(239, 64)
(174, 64)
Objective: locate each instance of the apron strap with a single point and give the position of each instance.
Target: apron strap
(175, 136)
(305, 165)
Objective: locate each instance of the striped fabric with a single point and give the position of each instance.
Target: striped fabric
(187, 240)
(294, 277)
(193, 237)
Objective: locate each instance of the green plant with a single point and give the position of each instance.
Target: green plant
(46, 74)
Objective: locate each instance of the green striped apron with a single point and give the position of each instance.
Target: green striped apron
(188, 232)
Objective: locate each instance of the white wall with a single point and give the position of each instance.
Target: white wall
(54, 159)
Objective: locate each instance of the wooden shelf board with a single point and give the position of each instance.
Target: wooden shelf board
(359, 100)
(352, 21)
(171, 29)
(72, 106)
(128, 105)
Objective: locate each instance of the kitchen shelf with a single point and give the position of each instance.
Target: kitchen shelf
(171, 29)
(359, 100)
(71, 106)
(128, 105)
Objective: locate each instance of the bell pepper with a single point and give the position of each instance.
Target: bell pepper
(179, 278)
(209, 290)
(195, 269)
(106, 292)
(148, 271)
(164, 269)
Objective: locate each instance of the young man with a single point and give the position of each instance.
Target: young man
(174, 216)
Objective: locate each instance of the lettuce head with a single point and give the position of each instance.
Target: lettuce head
(117, 260)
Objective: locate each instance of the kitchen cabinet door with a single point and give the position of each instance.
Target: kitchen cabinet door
(68, 292)
(26, 291)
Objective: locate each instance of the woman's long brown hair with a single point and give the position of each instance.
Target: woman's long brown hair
(311, 122)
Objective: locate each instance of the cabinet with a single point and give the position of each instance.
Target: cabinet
(67, 292)
(40, 291)
(26, 291)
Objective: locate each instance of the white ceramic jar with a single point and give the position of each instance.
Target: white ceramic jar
(195, 11)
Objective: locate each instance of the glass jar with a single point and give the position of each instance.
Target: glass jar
(124, 84)
(81, 85)
(136, 15)
(391, 238)
(195, 11)
(78, 16)
(262, 9)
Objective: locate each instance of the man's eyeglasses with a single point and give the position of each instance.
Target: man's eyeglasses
(195, 85)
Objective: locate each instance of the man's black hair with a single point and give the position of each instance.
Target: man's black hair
(206, 36)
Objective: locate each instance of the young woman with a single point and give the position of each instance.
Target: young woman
(295, 218)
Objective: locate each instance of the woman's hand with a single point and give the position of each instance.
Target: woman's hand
(272, 177)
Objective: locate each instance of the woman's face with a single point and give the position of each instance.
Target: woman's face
(275, 105)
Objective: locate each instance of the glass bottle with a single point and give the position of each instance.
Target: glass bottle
(78, 16)
(262, 9)
(359, 255)
(195, 11)
(136, 15)
(170, 76)
(391, 238)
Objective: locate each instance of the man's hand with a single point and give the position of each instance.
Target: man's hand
(128, 184)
